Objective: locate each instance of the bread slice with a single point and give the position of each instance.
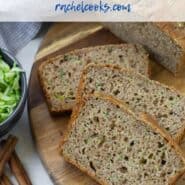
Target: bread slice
(113, 146)
(165, 41)
(60, 76)
(140, 94)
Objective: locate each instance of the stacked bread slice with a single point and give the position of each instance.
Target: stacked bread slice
(139, 93)
(60, 76)
(125, 129)
(112, 145)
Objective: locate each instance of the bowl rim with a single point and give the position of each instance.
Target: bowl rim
(23, 88)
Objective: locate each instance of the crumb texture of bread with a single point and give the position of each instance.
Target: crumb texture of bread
(60, 76)
(139, 93)
(165, 41)
(114, 147)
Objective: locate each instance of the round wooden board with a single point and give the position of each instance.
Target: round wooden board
(48, 130)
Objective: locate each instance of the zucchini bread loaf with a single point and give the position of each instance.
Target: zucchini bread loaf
(139, 93)
(166, 41)
(109, 143)
(60, 76)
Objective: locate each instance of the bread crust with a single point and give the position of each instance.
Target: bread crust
(52, 110)
(65, 107)
(93, 176)
(146, 119)
(171, 29)
(76, 111)
(177, 35)
(174, 31)
(178, 137)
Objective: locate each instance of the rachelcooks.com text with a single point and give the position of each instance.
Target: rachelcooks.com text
(83, 7)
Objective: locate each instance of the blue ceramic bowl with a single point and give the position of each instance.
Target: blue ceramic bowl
(11, 121)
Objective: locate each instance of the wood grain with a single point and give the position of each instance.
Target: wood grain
(69, 32)
(49, 130)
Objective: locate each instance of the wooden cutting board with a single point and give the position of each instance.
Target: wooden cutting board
(48, 130)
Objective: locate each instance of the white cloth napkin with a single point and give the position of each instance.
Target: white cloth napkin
(14, 36)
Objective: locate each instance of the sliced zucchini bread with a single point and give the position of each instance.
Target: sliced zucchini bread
(113, 146)
(139, 93)
(60, 76)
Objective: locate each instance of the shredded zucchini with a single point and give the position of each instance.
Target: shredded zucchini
(9, 89)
